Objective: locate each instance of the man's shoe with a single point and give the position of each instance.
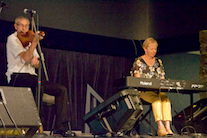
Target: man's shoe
(62, 133)
(70, 134)
(59, 133)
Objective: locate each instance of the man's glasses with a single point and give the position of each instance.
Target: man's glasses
(21, 25)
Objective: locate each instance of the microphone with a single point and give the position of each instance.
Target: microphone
(4, 4)
(26, 11)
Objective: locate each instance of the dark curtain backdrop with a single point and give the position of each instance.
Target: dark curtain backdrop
(2, 64)
(75, 69)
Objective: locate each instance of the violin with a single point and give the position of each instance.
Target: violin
(28, 37)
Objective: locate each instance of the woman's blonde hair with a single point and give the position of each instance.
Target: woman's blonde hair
(149, 41)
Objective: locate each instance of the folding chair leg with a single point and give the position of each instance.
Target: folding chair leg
(53, 124)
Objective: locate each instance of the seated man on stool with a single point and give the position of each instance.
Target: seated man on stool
(22, 60)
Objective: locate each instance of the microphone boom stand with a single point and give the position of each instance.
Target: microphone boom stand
(41, 64)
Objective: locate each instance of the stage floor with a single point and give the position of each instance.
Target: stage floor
(195, 135)
(82, 135)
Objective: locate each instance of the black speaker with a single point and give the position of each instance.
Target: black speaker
(182, 120)
(18, 112)
(117, 114)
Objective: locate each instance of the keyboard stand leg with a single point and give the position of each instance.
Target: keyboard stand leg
(191, 109)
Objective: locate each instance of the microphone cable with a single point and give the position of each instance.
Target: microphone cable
(11, 118)
(184, 113)
(13, 84)
(135, 47)
(4, 126)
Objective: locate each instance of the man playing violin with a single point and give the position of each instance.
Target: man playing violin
(22, 61)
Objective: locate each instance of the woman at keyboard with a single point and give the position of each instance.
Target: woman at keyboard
(149, 66)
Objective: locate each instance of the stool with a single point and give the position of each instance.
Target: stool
(50, 101)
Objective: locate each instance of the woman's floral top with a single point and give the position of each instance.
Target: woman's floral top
(155, 71)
